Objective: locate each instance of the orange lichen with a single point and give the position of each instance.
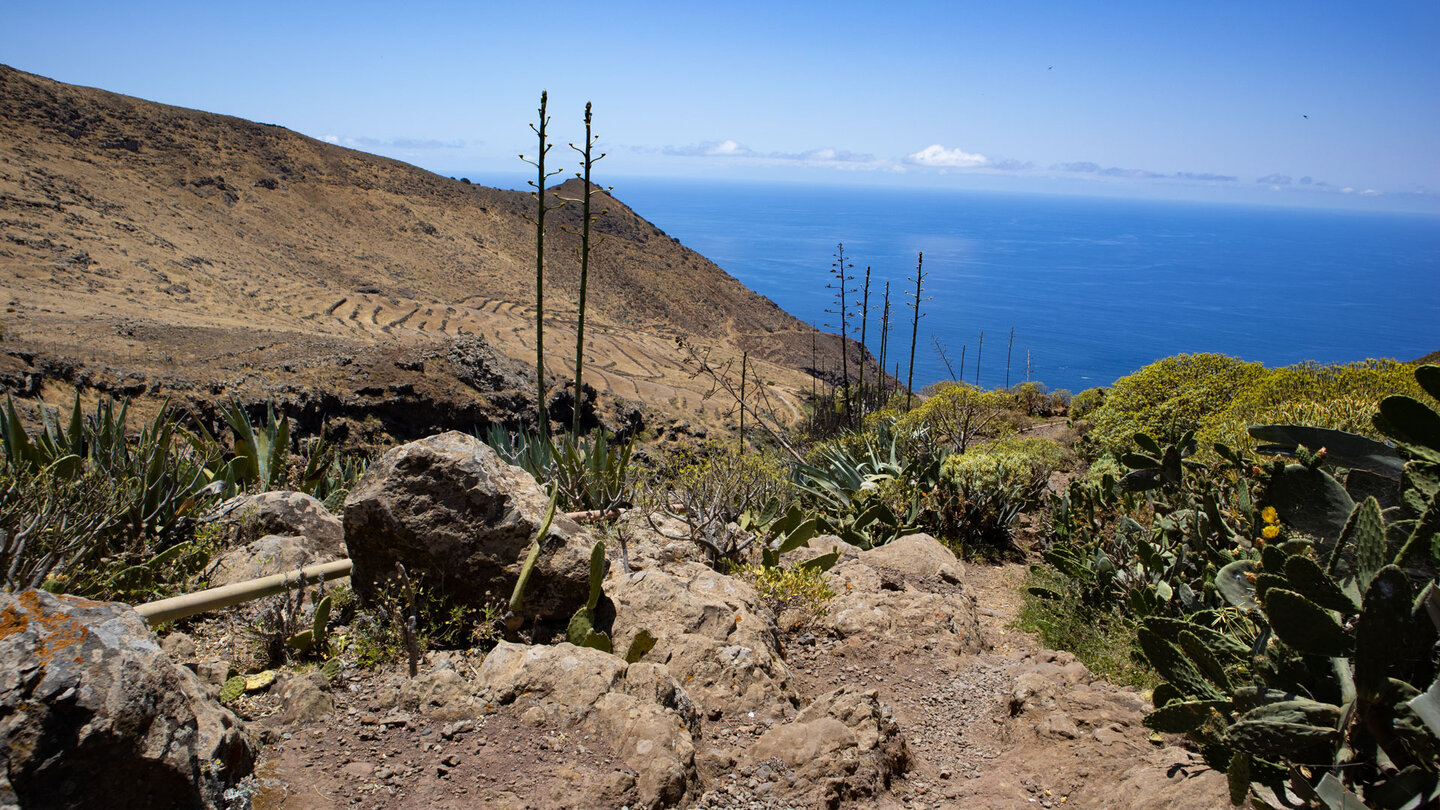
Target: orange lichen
(12, 621)
(54, 631)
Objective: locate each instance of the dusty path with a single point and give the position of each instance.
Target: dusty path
(1009, 726)
(1014, 726)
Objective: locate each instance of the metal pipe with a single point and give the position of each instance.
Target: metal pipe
(178, 607)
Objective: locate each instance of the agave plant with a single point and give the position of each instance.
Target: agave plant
(591, 472)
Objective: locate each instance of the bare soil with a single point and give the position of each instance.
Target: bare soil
(971, 745)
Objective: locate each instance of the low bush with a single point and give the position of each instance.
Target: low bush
(1343, 397)
(979, 494)
(796, 595)
(710, 491)
(92, 507)
(954, 417)
(1218, 397)
(1292, 619)
(1085, 402)
(1169, 398)
(1104, 642)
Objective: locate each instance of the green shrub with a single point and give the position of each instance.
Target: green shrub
(981, 493)
(1104, 642)
(56, 531)
(1003, 463)
(1293, 624)
(1218, 397)
(1059, 402)
(796, 595)
(1085, 402)
(954, 417)
(709, 492)
(1169, 398)
(1343, 397)
(1030, 398)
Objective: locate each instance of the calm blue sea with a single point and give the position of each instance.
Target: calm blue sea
(1093, 287)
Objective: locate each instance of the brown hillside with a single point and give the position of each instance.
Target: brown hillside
(153, 249)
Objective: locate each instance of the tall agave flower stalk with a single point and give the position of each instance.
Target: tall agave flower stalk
(884, 341)
(840, 270)
(542, 418)
(915, 325)
(588, 161)
(864, 322)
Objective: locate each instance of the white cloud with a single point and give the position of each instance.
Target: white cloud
(728, 147)
(411, 144)
(939, 157)
(823, 156)
(725, 148)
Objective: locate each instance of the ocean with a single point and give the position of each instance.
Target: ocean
(1094, 288)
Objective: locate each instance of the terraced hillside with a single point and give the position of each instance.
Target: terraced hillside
(160, 251)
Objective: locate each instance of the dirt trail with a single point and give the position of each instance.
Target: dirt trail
(1013, 726)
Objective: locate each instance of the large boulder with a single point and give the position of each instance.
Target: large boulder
(916, 558)
(639, 707)
(461, 520)
(910, 588)
(94, 714)
(844, 746)
(271, 554)
(246, 518)
(713, 634)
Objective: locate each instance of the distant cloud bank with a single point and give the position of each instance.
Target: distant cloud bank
(937, 156)
(941, 159)
(821, 156)
(419, 144)
(1086, 167)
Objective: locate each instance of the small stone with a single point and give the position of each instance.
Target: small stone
(359, 770)
(178, 646)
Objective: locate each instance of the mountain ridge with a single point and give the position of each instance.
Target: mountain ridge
(211, 257)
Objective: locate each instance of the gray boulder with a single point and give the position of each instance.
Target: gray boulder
(94, 714)
(461, 520)
(271, 554)
(246, 518)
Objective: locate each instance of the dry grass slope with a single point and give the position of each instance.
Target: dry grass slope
(150, 248)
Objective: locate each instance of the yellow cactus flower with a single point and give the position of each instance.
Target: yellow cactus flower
(1269, 515)
(1270, 532)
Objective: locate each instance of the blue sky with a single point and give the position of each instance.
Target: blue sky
(1181, 100)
